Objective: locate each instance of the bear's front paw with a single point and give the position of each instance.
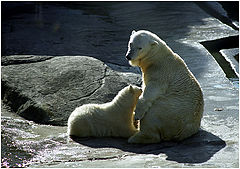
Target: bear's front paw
(138, 115)
(141, 109)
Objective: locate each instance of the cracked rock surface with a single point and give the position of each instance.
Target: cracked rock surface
(50, 90)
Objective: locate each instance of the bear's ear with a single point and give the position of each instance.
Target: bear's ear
(154, 43)
(133, 32)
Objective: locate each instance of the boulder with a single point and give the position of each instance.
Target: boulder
(48, 91)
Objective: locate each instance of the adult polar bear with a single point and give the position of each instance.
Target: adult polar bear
(171, 105)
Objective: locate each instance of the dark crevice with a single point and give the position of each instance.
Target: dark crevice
(23, 105)
(11, 96)
(214, 47)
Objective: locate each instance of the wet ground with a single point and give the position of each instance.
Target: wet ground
(33, 145)
(101, 30)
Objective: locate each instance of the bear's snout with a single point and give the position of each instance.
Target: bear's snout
(129, 55)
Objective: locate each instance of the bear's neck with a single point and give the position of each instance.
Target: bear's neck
(155, 61)
(155, 58)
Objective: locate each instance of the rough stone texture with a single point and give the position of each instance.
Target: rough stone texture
(48, 91)
(102, 30)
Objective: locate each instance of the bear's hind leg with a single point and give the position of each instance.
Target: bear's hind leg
(144, 138)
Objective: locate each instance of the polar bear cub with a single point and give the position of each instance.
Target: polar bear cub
(171, 104)
(104, 120)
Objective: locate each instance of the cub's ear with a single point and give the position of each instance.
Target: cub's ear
(133, 32)
(154, 43)
(131, 88)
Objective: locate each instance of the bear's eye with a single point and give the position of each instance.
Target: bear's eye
(139, 48)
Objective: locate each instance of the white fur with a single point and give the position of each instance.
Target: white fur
(110, 119)
(171, 105)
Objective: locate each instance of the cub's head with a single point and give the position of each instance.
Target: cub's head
(136, 91)
(129, 94)
(141, 44)
(130, 91)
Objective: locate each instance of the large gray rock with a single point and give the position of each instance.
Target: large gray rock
(48, 91)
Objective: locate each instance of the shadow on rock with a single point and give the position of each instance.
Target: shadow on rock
(196, 149)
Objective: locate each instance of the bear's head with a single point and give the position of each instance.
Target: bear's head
(142, 45)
